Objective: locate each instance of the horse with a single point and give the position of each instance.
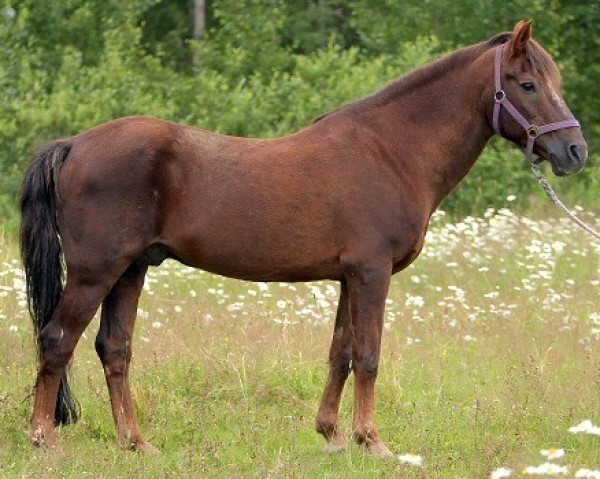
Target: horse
(347, 198)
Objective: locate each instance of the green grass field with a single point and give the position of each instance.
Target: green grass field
(491, 352)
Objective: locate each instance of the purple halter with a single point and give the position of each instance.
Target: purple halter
(533, 131)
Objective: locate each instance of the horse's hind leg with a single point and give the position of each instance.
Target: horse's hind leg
(340, 355)
(57, 340)
(113, 345)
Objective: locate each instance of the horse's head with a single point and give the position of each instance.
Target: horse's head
(530, 110)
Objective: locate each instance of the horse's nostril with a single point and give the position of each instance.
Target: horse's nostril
(576, 153)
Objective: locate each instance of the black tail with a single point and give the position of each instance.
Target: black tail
(41, 253)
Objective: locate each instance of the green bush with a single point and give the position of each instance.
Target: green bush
(68, 65)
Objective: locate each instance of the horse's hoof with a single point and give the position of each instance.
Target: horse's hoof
(42, 438)
(146, 448)
(335, 445)
(378, 450)
(139, 445)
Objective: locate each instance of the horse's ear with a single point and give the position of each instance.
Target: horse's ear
(522, 34)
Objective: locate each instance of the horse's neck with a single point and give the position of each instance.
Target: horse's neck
(436, 127)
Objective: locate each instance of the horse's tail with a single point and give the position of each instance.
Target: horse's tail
(41, 253)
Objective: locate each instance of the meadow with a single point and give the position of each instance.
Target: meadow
(491, 355)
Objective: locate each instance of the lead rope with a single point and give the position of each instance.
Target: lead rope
(556, 200)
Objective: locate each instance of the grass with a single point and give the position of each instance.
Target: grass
(491, 352)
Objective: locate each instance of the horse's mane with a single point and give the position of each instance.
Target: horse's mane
(539, 59)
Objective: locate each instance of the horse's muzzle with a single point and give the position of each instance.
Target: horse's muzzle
(570, 160)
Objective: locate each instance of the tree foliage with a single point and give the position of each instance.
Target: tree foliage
(264, 68)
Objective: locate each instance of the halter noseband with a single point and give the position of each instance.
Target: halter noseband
(533, 131)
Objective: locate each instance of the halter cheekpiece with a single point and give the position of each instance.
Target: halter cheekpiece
(500, 100)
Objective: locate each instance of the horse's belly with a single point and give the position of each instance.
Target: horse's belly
(260, 254)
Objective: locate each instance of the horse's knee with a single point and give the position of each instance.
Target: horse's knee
(55, 349)
(100, 346)
(341, 365)
(367, 365)
(343, 370)
(114, 356)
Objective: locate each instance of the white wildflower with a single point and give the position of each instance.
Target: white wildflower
(587, 474)
(412, 459)
(585, 427)
(235, 307)
(501, 473)
(553, 453)
(416, 301)
(546, 469)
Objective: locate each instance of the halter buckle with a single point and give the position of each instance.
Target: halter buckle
(499, 96)
(533, 131)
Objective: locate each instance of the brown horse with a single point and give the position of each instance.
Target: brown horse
(347, 199)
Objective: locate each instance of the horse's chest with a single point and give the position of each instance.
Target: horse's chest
(406, 248)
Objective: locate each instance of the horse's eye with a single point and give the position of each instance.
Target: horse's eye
(528, 87)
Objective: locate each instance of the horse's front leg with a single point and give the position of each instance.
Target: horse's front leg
(340, 355)
(368, 288)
